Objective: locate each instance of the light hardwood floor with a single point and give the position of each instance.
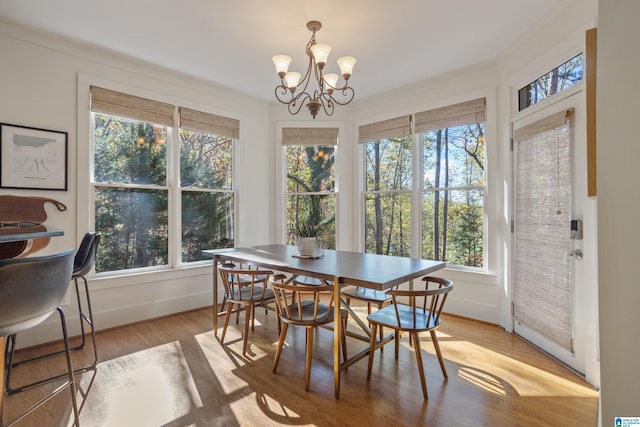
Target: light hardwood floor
(171, 371)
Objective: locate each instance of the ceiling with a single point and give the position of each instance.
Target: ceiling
(231, 42)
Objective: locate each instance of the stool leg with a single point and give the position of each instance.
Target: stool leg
(88, 318)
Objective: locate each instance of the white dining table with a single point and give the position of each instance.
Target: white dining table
(342, 268)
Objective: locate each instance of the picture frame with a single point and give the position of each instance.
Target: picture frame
(33, 158)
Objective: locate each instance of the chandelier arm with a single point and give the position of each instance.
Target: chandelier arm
(347, 92)
(283, 92)
(327, 102)
(296, 104)
(304, 83)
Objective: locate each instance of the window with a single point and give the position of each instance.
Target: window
(311, 182)
(206, 182)
(449, 188)
(139, 186)
(556, 80)
(388, 188)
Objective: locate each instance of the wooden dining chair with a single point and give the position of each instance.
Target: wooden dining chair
(244, 289)
(413, 311)
(309, 306)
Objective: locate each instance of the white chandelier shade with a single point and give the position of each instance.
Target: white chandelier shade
(294, 90)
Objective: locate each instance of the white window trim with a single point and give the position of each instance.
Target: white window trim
(84, 165)
(491, 246)
(281, 173)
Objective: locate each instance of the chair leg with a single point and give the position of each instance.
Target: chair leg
(343, 337)
(396, 338)
(81, 345)
(418, 351)
(309, 357)
(221, 307)
(372, 347)
(436, 345)
(226, 322)
(278, 323)
(381, 331)
(70, 383)
(88, 318)
(9, 350)
(247, 319)
(283, 335)
(253, 317)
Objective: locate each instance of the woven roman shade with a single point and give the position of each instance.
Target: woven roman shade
(392, 128)
(554, 121)
(450, 116)
(133, 107)
(209, 123)
(310, 136)
(542, 285)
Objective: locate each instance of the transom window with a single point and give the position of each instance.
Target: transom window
(560, 78)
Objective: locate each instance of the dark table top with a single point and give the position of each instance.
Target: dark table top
(352, 268)
(26, 231)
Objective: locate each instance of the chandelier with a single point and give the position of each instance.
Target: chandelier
(293, 91)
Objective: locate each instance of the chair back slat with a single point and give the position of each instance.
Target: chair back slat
(425, 304)
(302, 304)
(244, 284)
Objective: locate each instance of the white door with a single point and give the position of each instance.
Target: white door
(549, 293)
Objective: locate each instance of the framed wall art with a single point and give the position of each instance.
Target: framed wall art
(33, 158)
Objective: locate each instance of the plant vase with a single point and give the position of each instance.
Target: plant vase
(307, 246)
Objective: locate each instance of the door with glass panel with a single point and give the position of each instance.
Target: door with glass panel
(544, 204)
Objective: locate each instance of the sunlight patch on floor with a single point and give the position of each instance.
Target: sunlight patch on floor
(268, 408)
(482, 380)
(149, 388)
(510, 376)
(224, 368)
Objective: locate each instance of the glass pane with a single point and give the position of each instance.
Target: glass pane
(133, 224)
(129, 152)
(388, 224)
(207, 223)
(205, 160)
(454, 157)
(388, 164)
(556, 80)
(310, 168)
(314, 210)
(452, 226)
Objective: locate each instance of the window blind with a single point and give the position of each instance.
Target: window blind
(392, 128)
(309, 136)
(454, 115)
(209, 123)
(108, 101)
(542, 286)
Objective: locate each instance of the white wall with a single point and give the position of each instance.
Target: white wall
(44, 83)
(618, 105)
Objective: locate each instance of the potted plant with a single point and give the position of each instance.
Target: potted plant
(307, 234)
